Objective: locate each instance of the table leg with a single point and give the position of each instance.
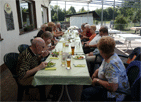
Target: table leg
(66, 89)
(128, 45)
(61, 93)
(68, 93)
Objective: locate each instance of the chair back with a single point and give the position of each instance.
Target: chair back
(133, 72)
(138, 57)
(10, 60)
(136, 52)
(22, 47)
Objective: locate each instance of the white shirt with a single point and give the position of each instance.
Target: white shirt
(95, 40)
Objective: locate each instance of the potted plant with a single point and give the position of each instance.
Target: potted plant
(29, 27)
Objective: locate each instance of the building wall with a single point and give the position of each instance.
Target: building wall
(78, 20)
(12, 38)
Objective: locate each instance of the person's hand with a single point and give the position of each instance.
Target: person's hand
(52, 47)
(45, 53)
(90, 54)
(84, 37)
(94, 81)
(42, 65)
(87, 45)
(93, 76)
(82, 43)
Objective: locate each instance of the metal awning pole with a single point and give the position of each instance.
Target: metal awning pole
(88, 14)
(102, 14)
(65, 11)
(57, 11)
(114, 13)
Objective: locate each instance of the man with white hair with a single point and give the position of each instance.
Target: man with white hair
(58, 26)
(88, 33)
(29, 61)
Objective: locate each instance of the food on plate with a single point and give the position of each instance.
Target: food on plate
(79, 57)
(55, 54)
(50, 64)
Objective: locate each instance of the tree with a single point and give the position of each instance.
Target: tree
(57, 10)
(137, 16)
(71, 10)
(120, 22)
(82, 10)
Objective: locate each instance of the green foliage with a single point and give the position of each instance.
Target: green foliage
(71, 10)
(29, 27)
(61, 13)
(82, 10)
(137, 16)
(130, 10)
(120, 22)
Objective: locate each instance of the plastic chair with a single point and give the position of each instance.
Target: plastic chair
(96, 64)
(135, 55)
(22, 47)
(133, 72)
(10, 60)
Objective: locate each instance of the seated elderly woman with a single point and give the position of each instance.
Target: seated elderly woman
(47, 36)
(110, 77)
(42, 30)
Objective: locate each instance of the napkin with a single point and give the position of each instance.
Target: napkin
(50, 68)
(80, 65)
(54, 58)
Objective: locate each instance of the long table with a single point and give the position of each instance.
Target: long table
(62, 76)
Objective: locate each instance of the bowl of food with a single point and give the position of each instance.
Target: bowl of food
(55, 54)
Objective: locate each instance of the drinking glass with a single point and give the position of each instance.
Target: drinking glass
(72, 48)
(63, 60)
(68, 62)
(63, 44)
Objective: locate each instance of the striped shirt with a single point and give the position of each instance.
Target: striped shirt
(27, 60)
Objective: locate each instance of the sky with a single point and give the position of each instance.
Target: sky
(78, 6)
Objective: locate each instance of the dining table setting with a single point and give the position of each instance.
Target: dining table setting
(66, 64)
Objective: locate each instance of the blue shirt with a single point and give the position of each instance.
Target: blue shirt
(114, 72)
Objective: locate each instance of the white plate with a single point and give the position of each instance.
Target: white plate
(77, 57)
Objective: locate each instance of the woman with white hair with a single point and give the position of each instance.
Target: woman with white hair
(42, 30)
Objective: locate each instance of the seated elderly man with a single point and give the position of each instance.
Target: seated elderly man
(92, 30)
(58, 26)
(88, 47)
(109, 78)
(87, 34)
(29, 61)
(90, 57)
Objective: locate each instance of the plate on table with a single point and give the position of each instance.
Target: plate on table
(50, 64)
(78, 57)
